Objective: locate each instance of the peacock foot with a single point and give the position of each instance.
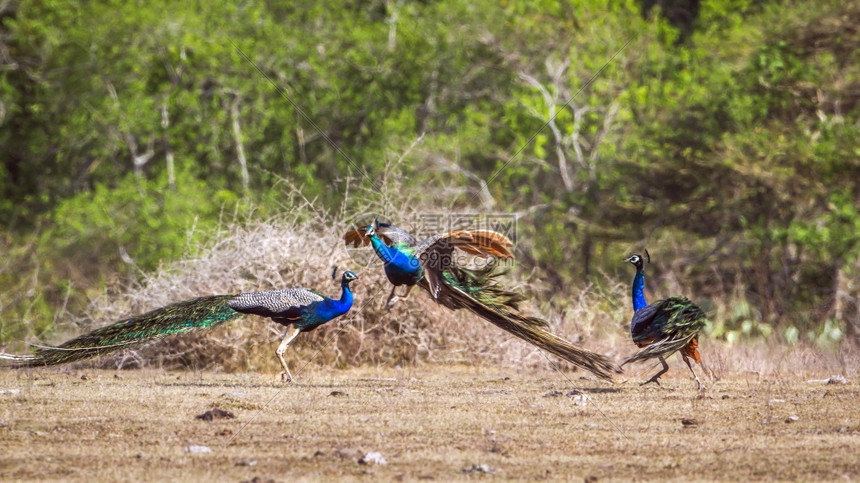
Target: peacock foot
(390, 302)
(654, 379)
(286, 376)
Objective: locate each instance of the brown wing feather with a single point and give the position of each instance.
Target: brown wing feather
(436, 251)
(475, 242)
(357, 237)
(485, 242)
(389, 234)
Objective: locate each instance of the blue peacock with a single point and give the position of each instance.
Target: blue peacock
(298, 309)
(430, 264)
(663, 327)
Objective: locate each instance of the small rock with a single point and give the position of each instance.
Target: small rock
(580, 399)
(214, 414)
(478, 469)
(84, 377)
(246, 463)
(372, 458)
(319, 453)
(257, 479)
(194, 448)
(235, 394)
(792, 419)
(338, 393)
(689, 422)
(553, 393)
(837, 379)
(10, 391)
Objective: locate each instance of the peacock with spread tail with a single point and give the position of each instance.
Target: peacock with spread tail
(298, 309)
(663, 327)
(430, 264)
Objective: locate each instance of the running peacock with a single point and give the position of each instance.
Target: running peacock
(663, 327)
(299, 309)
(431, 265)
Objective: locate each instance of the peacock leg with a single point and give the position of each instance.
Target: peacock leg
(699, 385)
(408, 291)
(655, 377)
(392, 297)
(289, 335)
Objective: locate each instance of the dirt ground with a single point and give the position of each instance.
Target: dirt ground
(430, 423)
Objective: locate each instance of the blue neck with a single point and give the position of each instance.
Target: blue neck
(395, 259)
(330, 308)
(639, 291)
(345, 301)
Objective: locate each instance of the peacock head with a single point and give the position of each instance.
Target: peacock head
(372, 229)
(638, 261)
(348, 276)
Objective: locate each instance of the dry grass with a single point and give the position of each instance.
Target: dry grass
(432, 422)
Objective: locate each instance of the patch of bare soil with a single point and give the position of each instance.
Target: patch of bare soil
(436, 423)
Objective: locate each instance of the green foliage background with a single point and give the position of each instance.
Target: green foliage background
(720, 134)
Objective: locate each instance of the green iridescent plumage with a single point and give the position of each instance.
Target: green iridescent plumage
(675, 322)
(179, 318)
(479, 291)
(298, 309)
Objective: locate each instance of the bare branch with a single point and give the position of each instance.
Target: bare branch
(563, 169)
(237, 137)
(168, 156)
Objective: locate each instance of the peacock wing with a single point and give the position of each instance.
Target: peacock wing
(664, 327)
(647, 322)
(277, 304)
(389, 234)
(436, 252)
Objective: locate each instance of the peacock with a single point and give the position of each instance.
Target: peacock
(405, 259)
(431, 265)
(663, 327)
(299, 309)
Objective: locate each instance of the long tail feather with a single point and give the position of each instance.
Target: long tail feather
(199, 313)
(665, 348)
(499, 307)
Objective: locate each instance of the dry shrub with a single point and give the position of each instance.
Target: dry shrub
(299, 248)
